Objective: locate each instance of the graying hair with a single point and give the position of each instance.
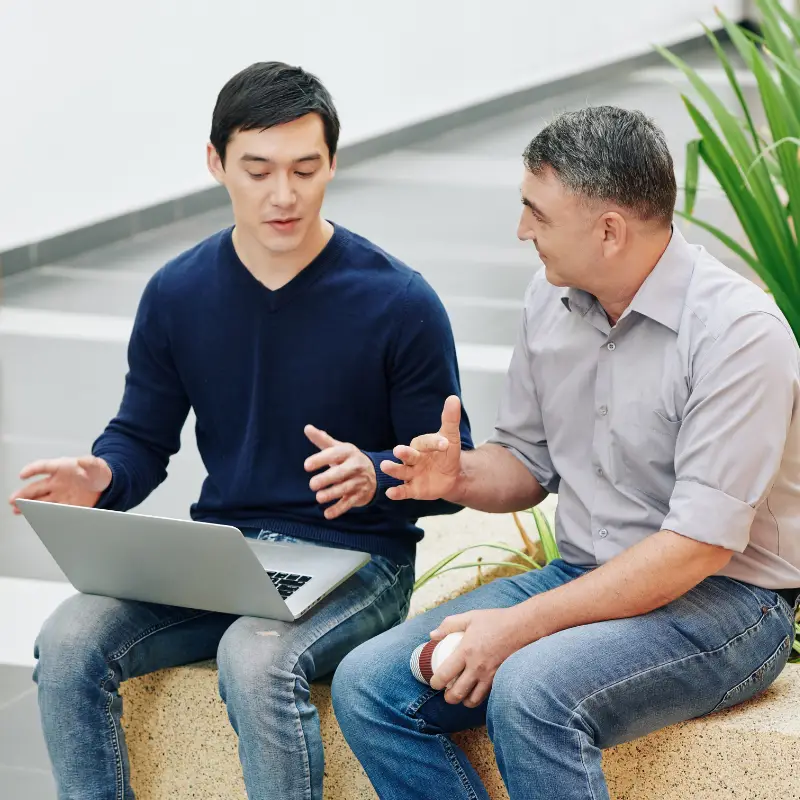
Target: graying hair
(609, 154)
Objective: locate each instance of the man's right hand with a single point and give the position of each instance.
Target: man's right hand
(72, 481)
(432, 463)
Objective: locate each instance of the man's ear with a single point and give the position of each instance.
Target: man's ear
(215, 165)
(615, 233)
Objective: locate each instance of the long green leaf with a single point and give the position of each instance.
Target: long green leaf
(756, 218)
(732, 79)
(780, 43)
(784, 126)
(439, 567)
(692, 174)
(743, 40)
(791, 21)
(760, 181)
(546, 535)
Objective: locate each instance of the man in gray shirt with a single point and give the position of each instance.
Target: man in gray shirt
(658, 393)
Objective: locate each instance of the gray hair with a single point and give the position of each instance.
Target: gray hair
(612, 154)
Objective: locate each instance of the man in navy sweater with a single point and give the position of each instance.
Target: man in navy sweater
(306, 353)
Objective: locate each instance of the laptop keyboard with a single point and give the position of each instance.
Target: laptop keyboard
(287, 583)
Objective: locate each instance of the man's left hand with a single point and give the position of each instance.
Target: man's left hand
(350, 477)
(490, 637)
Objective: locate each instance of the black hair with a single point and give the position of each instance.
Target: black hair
(271, 93)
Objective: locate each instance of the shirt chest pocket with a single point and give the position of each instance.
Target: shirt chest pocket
(642, 444)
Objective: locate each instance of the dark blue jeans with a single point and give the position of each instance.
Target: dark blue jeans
(90, 644)
(556, 703)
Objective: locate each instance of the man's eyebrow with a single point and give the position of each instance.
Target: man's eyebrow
(533, 207)
(263, 160)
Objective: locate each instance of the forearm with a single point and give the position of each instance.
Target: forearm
(492, 479)
(648, 576)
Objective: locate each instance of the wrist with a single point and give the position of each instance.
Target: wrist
(460, 490)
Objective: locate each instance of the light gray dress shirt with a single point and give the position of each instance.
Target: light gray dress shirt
(684, 416)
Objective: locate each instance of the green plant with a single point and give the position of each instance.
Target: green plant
(757, 169)
(524, 559)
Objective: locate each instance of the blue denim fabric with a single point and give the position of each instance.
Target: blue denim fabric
(91, 644)
(556, 703)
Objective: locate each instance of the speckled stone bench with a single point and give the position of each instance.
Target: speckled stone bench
(182, 745)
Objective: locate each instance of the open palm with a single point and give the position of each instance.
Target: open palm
(431, 464)
(72, 481)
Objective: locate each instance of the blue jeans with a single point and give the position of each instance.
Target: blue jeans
(556, 703)
(91, 644)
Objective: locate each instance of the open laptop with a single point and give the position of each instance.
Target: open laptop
(183, 563)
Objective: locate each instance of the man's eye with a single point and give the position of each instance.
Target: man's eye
(257, 176)
(304, 174)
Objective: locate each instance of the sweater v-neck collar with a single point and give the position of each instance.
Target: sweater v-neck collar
(277, 298)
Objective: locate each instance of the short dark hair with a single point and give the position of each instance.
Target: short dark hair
(609, 153)
(271, 93)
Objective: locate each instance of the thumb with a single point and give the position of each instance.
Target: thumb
(320, 438)
(455, 624)
(451, 419)
(89, 462)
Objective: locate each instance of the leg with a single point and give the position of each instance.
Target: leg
(398, 728)
(85, 649)
(265, 669)
(557, 702)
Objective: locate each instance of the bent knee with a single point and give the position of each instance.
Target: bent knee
(77, 634)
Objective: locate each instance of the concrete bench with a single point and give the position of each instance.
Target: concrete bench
(182, 746)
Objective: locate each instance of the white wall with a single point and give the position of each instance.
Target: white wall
(105, 106)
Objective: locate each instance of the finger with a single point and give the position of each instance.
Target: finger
(430, 443)
(320, 438)
(449, 670)
(479, 694)
(332, 476)
(44, 467)
(342, 507)
(408, 455)
(399, 471)
(339, 490)
(33, 491)
(399, 493)
(453, 624)
(462, 688)
(328, 457)
(451, 419)
(45, 498)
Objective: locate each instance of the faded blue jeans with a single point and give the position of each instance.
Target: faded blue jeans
(556, 703)
(91, 644)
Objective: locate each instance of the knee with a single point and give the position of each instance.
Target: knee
(252, 660)
(527, 693)
(367, 679)
(70, 645)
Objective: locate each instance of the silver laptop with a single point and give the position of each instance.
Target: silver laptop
(191, 564)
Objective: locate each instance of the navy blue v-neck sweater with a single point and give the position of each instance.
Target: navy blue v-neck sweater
(357, 344)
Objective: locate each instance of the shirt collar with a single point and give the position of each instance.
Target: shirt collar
(662, 295)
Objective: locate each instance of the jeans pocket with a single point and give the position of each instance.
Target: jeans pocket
(760, 680)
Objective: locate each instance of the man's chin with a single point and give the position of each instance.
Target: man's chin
(553, 278)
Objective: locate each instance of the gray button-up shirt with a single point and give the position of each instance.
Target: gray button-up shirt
(684, 416)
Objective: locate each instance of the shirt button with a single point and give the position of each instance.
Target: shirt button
(599, 471)
(611, 346)
(603, 410)
(602, 533)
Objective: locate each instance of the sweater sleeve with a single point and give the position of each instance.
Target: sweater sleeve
(423, 373)
(138, 443)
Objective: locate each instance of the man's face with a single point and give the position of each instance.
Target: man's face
(276, 179)
(563, 229)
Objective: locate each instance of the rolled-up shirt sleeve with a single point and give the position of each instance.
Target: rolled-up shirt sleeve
(733, 434)
(519, 427)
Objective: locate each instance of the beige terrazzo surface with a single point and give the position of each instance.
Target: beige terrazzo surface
(182, 746)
